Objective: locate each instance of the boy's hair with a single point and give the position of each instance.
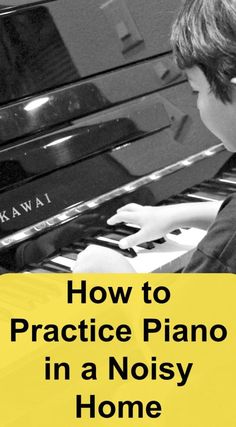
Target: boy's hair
(204, 35)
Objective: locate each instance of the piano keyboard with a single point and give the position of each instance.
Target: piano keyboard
(168, 254)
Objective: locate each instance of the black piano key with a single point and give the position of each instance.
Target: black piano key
(183, 198)
(147, 245)
(176, 232)
(212, 193)
(79, 246)
(117, 237)
(205, 196)
(114, 236)
(71, 249)
(70, 254)
(126, 252)
(160, 241)
(123, 230)
(227, 180)
(228, 176)
(128, 229)
(218, 187)
(37, 270)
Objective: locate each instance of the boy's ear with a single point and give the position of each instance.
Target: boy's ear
(233, 88)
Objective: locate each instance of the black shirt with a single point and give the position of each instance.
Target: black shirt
(216, 253)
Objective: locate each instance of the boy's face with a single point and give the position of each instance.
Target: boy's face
(218, 117)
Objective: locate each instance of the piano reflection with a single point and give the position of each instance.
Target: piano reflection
(92, 119)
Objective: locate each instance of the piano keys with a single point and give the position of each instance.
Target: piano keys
(171, 253)
(90, 123)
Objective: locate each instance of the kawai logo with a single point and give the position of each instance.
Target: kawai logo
(26, 207)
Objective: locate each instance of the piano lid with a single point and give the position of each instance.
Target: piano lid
(46, 44)
(33, 54)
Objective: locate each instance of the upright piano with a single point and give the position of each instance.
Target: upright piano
(94, 114)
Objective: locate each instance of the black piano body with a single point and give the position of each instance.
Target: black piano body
(93, 114)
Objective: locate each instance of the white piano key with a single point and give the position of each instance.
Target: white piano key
(189, 236)
(228, 180)
(214, 198)
(106, 239)
(63, 261)
(167, 257)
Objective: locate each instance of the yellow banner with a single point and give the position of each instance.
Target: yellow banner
(117, 350)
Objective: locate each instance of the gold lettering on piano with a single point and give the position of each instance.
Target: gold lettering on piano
(25, 207)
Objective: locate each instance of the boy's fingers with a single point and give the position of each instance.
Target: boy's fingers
(122, 217)
(133, 240)
(131, 207)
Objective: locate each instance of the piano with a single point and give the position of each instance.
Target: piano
(94, 114)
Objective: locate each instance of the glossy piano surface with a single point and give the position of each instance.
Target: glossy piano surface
(119, 171)
(13, 5)
(88, 27)
(70, 102)
(83, 139)
(91, 118)
(45, 44)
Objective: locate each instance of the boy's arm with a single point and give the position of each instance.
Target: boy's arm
(199, 215)
(155, 222)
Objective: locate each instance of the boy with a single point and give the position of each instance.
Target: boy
(204, 46)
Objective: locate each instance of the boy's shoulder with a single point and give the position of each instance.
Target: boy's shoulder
(217, 251)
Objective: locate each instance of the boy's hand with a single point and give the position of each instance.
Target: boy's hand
(154, 222)
(97, 259)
